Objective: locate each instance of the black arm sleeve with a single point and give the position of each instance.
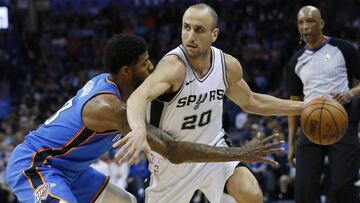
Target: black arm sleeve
(295, 84)
(352, 58)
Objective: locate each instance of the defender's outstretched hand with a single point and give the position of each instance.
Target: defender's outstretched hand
(131, 146)
(257, 149)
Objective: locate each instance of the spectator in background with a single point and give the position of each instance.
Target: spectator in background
(138, 179)
(118, 173)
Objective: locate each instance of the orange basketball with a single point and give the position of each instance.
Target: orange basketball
(324, 121)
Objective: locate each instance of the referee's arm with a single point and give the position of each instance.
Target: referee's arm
(295, 91)
(352, 60)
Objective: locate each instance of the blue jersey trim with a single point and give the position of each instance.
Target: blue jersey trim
(40, 157)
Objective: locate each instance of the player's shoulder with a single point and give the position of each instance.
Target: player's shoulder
(170, 66)
(233, 68)
(102, 112)
(229, 59)
(103, 104)
(231, 62)
(173, 60)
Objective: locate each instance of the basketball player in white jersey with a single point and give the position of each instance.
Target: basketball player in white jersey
(189, 84)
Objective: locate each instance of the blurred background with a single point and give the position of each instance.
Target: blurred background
(50, 48)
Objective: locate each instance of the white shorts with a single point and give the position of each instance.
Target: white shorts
(176, 183)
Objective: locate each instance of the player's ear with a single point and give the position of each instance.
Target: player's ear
(125, 70)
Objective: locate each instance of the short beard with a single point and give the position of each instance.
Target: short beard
(194, 55)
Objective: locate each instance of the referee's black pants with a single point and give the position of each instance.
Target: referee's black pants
(344, 159)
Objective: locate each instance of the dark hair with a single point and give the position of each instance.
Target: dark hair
(123, 50)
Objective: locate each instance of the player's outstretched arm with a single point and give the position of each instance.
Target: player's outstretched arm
(106, 112)
(182, 152)
(261, 104)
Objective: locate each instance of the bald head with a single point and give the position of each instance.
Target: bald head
(310, 26)
(202, 7)
(310, 11)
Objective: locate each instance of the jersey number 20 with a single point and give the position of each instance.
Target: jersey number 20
(190, 122)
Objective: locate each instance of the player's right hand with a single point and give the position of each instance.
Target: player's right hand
(131, 146)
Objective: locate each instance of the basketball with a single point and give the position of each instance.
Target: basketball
(324, 121)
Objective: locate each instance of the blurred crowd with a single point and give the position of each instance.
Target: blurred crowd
(43, 65)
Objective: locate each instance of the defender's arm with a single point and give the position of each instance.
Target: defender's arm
(107, 112)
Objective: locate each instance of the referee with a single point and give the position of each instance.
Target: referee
(325, 66)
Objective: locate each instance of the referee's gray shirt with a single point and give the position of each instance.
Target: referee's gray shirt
(319, 72)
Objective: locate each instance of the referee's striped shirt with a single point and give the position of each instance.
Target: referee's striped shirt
(319, 72)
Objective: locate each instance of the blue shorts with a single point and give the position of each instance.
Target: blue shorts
(49, 184)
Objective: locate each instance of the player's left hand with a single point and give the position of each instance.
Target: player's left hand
(259, 147)
(342, 97)
(131, 146)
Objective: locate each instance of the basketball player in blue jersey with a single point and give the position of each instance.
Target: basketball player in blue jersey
(186, 89)
(52, 164)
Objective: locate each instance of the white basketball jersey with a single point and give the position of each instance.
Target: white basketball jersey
(194, 113)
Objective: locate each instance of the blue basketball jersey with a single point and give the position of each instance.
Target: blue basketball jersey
(63, 141)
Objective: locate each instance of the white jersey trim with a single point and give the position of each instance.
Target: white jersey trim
(223, 62)
(203, 78)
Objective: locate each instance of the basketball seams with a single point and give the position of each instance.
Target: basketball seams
(344, 114)
(309, 116)
(322, 107)
(307, 106)
(337, 129)
(337, 116)
(327, 102)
